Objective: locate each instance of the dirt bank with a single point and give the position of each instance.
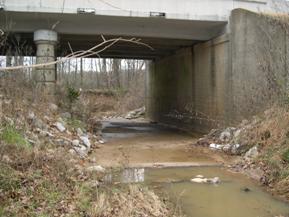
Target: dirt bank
(260, 146)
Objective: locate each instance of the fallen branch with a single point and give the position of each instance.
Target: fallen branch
(82, 54)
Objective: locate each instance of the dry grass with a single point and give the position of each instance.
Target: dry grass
(43, 179)
(270, 133)
(280, 19)
(130, 202)
(34, 182)
(269, 129)
(41, 182)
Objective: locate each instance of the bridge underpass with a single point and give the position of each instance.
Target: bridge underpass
(82, 31)
(202, 73)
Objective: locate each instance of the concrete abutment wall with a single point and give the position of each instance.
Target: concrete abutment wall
(188, 89)
(222, 81)
(260, 49)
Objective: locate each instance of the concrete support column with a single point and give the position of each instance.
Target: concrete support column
(45, 76)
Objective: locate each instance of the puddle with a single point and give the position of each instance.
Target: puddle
(117, 130)
(227, 199)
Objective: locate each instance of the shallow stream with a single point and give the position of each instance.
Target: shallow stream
(235, 196)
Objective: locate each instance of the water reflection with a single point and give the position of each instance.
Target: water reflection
(133, 175)
(128, 175)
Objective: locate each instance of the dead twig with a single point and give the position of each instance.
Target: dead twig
(96, 50)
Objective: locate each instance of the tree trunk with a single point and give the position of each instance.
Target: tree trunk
(81, 72)
(116, 65)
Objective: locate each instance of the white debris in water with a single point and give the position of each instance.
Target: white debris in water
(216, 146)
(215, 180)
(200, 179)
(101, 141)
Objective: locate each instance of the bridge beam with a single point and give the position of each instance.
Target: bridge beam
(45, 76)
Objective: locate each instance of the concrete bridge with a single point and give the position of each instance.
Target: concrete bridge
(166, 25)
(201, 53)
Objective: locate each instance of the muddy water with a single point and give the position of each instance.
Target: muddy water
(227, 199)
(119, 129)
(145, 144)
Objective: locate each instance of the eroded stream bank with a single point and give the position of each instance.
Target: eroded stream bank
(157, 156)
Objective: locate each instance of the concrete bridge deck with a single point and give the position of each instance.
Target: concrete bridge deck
(167, 25)
(83, 31)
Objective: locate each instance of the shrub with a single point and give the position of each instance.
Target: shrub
(72, 94)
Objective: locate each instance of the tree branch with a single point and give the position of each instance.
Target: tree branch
(96, 50)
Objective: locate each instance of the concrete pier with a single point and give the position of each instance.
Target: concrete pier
(45, 41)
